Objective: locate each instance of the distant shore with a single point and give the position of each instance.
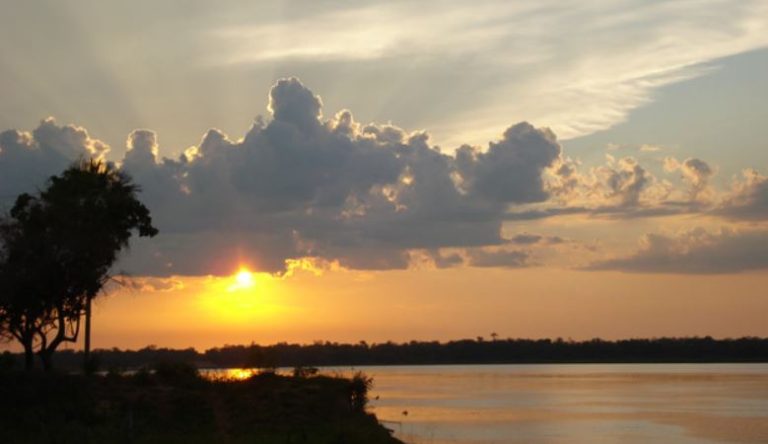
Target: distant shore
(467, 351)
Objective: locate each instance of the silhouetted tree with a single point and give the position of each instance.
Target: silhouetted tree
(56, 250)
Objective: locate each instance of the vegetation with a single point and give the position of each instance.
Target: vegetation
(481, 351)
(56, 250)
(467, 351)
(172, 404)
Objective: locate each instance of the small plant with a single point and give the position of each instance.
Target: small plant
(359, 386)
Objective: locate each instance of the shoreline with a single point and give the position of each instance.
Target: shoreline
(174, 404)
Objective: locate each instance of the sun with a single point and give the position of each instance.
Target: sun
(243, 280)
(242, 297)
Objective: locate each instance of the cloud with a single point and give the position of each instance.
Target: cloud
(694, 252)
(626, 181)
(365, 196)
(446, 260)
(510, 170)
(142, 149)
(642, 148)
(576, 67)
(499, 258)
(299, 185)
(579, 66)
(694, 171)
(748, 199)
(623, 188)
(27, 159)
(648, 148)
(532, 239)
(147, 284)
(291, 102)
(526, 239)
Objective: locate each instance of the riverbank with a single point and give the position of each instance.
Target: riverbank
(176, 405)
(457, 352)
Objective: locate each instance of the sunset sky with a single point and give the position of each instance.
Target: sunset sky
(345, 171)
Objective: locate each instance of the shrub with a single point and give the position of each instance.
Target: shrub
(359, 386)
(176, 372)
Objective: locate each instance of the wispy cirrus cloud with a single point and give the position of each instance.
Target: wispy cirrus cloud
(576, 66)
(465, 70)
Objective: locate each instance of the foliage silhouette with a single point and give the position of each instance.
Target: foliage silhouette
(56, 250)
(359, 386)
(174, 405)
(465, 351)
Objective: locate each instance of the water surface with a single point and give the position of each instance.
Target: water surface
(582, 403)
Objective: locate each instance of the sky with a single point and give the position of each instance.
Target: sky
(408, 170)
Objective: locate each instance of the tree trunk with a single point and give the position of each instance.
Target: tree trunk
(87, 345)
(29, 357)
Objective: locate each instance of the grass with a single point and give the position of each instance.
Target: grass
(173, 404)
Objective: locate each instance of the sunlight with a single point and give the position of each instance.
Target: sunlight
(238, 374)
(242, 297)
(244, 280)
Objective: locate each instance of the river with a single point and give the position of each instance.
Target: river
(581, 403)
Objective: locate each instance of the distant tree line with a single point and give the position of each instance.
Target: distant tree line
(466, 351)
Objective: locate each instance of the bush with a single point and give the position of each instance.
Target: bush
(176, 372)
(359, 386)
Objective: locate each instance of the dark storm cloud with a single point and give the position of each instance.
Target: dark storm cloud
(694, 252)
(300, 185)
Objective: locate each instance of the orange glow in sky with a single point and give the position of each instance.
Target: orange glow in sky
(349, 306)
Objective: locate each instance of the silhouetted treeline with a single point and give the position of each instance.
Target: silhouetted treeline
(466, 351)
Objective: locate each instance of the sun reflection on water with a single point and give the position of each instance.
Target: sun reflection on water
(229, 374)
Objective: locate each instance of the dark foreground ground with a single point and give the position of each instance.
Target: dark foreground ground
(175, 405)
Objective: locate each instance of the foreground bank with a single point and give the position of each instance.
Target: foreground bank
(175, 405)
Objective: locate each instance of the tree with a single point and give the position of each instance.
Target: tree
(56, 251)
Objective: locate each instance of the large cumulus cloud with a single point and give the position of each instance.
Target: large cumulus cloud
(300, 185)
(27, 159)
